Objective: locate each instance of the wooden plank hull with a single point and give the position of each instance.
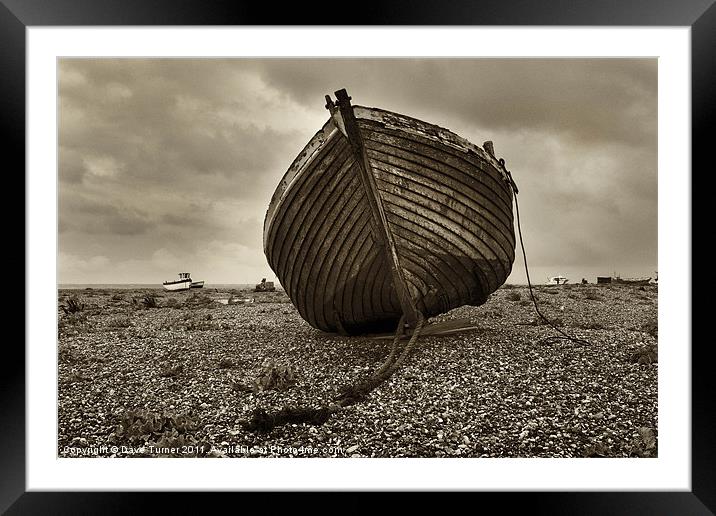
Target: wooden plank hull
(448, 206)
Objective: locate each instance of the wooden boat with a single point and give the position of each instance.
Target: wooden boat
(265, 286)
(197, 284)
(557, 280)
(632, 281)
(383, 215)
(183, 283)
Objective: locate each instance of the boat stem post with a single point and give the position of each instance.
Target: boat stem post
(382, 231)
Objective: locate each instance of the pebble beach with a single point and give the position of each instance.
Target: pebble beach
(149, 373)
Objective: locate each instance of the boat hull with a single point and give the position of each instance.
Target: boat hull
(177, 285)
(632, 281)
(197, 284)
(448, 212)
(557, 281)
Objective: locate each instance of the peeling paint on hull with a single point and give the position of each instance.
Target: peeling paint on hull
(448, 205)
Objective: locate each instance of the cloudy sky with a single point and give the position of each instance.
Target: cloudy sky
(168, 165)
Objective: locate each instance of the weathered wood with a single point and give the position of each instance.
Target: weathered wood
(387, 193)
(458, 168)
(383, 231)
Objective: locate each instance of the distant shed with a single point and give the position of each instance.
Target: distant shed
(604, 279)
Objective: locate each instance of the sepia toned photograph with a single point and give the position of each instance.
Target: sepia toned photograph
(357, 257)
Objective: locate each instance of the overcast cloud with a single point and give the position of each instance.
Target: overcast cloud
(168, 165)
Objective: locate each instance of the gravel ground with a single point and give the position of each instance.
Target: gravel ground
(175, 380)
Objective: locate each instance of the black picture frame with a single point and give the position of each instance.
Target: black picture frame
(17, 15)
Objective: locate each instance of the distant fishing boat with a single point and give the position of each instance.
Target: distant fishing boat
(265, 286)
(197, 284)
(382, 215)
(557, 280)
(632, 281)
(183, 283)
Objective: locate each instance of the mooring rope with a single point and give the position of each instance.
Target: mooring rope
(351, 394)
(399, 331)
(408, 347)
(354, 393)
(564, 335)
(262, 421)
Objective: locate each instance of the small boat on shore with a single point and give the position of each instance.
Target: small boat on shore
(632, 281)
(382, 216)
(557, 280)
(183, 283)
(197, 284)
(265, 286)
